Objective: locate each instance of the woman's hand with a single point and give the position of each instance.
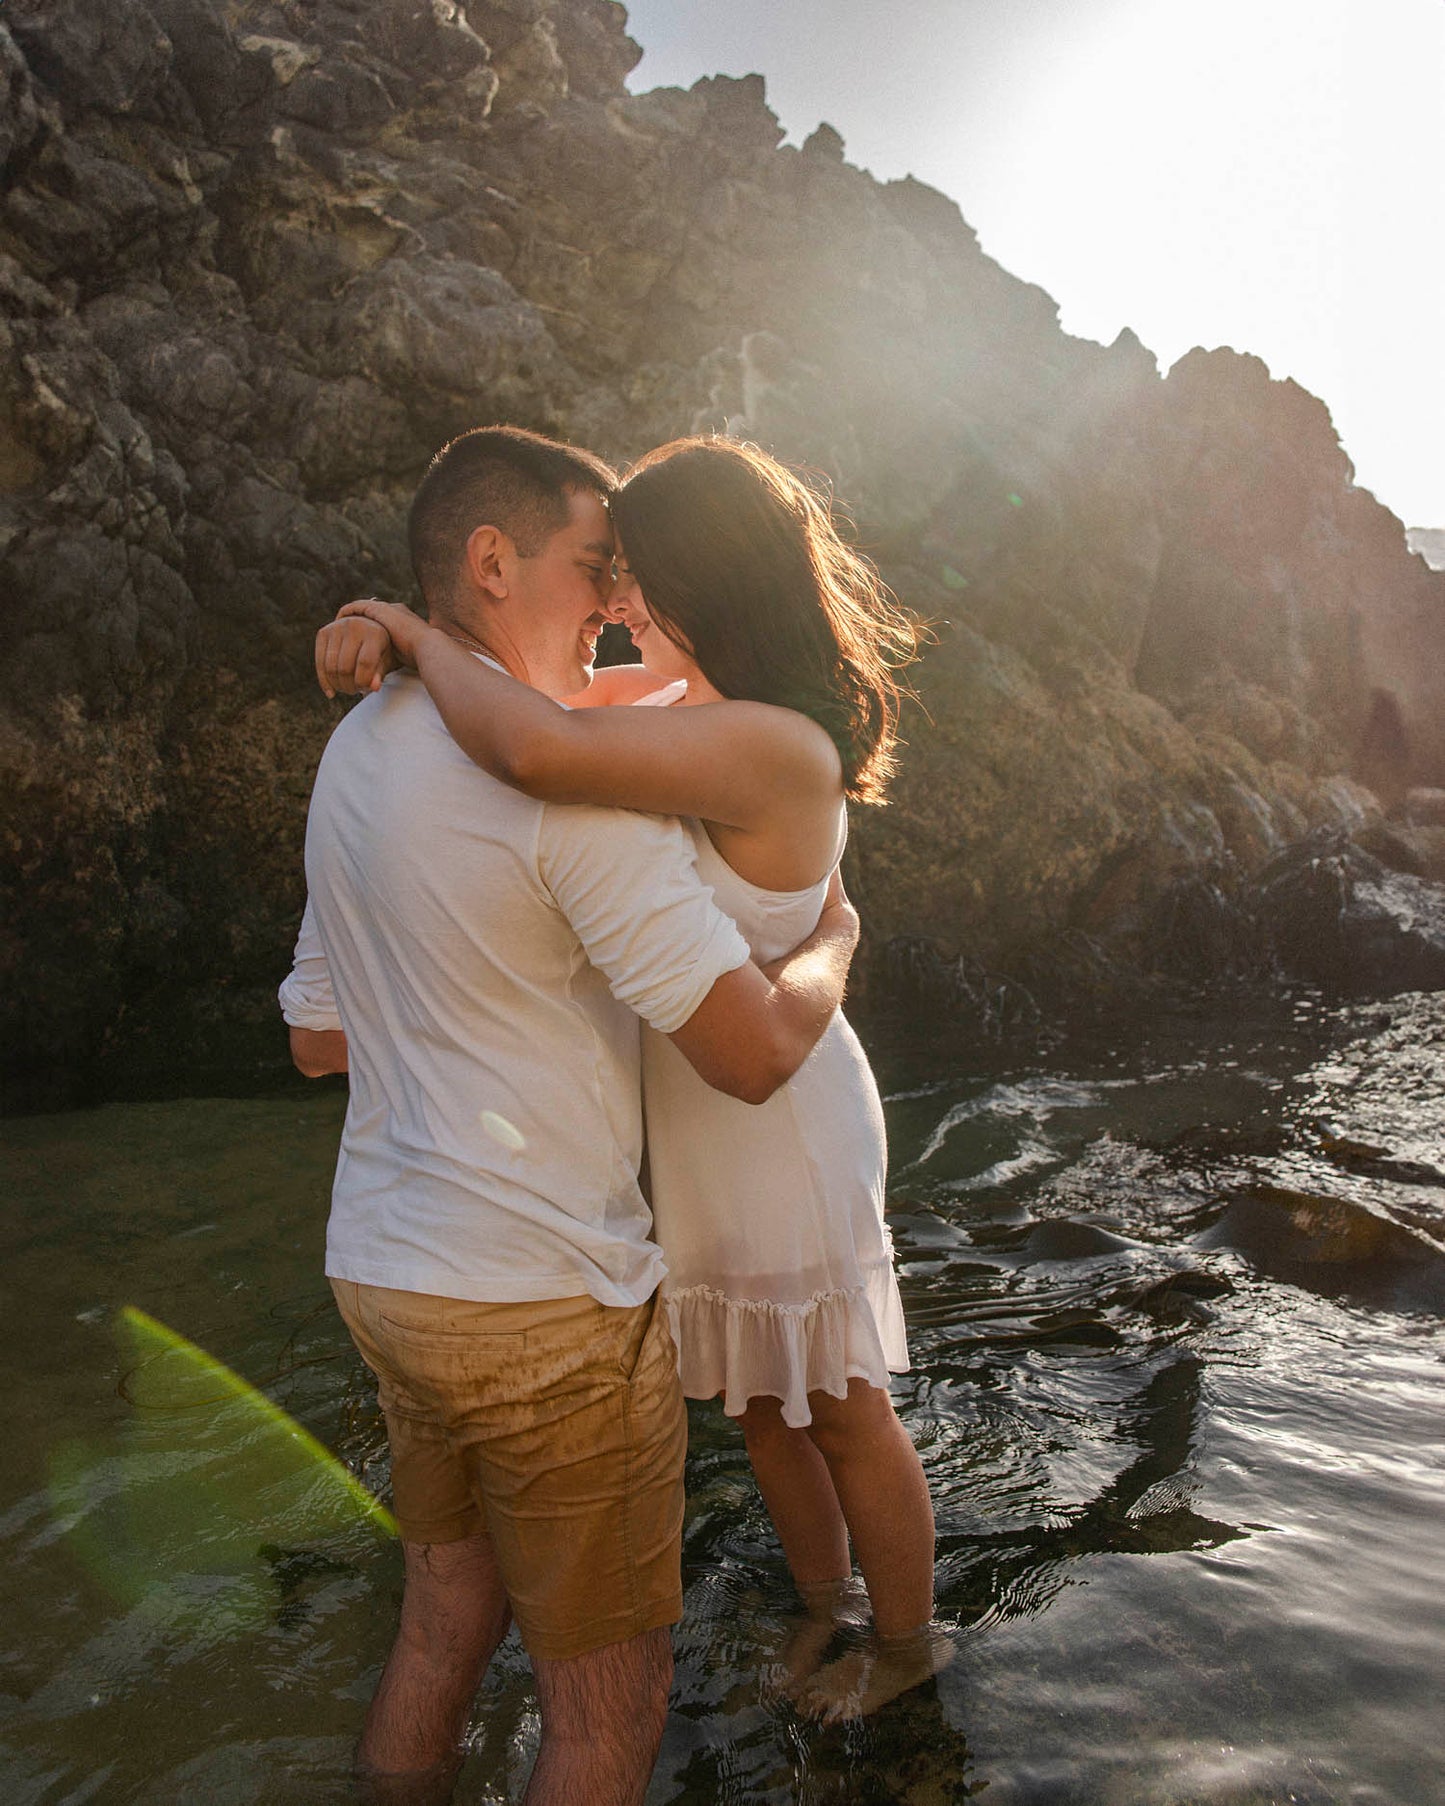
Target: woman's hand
(405, 629)
(366, 641)
(353, 657)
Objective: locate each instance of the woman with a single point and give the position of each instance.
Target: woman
(767, 700)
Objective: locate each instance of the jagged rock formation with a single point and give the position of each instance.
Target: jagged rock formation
(1428, 543)
(258, 258)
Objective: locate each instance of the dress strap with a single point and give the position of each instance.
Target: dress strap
(663, 698)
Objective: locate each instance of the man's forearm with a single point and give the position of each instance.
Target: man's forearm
(318, 1052)
(808, 983)
(757, 1025)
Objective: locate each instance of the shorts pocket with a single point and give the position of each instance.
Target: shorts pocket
(641, 1334)
(452, 1341)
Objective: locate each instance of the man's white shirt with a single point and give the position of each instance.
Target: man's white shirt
(485, 955)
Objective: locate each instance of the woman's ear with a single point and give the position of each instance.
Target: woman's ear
(486, 548)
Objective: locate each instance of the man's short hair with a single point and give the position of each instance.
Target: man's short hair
(494, 476)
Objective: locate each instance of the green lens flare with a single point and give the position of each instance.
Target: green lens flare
(207, 1477)
(173, 1374)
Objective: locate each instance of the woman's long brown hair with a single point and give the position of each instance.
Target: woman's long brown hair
(741, 566)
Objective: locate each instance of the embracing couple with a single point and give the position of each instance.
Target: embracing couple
(526, 921)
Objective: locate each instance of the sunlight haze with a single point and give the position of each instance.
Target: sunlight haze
(1266, 174)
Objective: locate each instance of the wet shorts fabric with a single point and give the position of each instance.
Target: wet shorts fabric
(559, 1429)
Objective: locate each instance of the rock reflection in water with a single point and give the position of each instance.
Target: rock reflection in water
(1143, 1510)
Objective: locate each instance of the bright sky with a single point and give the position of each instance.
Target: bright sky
(1266, 174)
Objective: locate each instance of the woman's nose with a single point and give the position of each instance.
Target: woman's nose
(615, 607)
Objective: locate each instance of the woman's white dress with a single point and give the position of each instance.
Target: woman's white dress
(779, 1264)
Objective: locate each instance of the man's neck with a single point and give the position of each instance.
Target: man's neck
(507, 658)
(489, 633)
(473, 644)
(474, 636)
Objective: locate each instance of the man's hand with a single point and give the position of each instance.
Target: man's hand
(837, 898)
(353, 656)
(811, 979)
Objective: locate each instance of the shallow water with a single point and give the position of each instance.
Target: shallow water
(1176, 1315)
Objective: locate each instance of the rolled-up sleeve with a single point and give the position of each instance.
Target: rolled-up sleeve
(629, 886)
(305, 994)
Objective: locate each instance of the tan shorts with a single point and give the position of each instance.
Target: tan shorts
(559, 1429)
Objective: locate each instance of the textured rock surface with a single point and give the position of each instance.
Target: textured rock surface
(258, 259)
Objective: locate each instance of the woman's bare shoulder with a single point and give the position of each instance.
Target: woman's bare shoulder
(799, 750)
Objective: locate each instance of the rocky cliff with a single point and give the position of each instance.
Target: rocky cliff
(1428, 543)
(258, 258)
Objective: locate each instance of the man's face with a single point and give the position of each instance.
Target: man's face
(557, 596)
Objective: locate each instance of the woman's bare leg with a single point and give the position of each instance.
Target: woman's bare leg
(798, 1491)
(879, 1484)
(881, 1488)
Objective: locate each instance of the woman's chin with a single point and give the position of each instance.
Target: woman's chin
(654, 655)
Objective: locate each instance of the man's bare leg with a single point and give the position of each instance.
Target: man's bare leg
(602, 1719)
(454, 1613)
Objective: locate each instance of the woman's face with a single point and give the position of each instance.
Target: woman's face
(662, 656)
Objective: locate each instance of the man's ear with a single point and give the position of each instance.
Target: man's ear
(486, 549)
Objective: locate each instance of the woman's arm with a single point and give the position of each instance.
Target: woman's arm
(727, 762)
(354, 654)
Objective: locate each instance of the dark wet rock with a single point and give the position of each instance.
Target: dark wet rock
(258, 260)
(113, 58)
(914, 973)
(1209, 1143)
(1425, 808)
(1177, 1298)
(1378, 1163)
(1337, 916)
(1059, 1238)
(1331, 1245)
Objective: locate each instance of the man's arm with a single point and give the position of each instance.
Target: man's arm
(628, 884)
(318, 1041)
(315, 1052)
(757, 1025)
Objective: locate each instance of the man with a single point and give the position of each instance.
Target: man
(476, 957)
